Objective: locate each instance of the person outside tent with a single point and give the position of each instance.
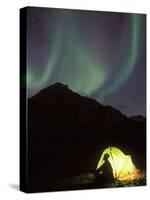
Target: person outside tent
(105, 173)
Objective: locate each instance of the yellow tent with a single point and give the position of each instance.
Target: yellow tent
(122, 165)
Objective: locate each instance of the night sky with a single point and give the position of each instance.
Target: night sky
(101, 55)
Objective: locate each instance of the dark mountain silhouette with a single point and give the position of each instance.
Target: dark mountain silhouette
(67, 132)
(138, 118)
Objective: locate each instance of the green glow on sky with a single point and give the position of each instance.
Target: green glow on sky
(130, 57)
(36, 82)
(79, 68)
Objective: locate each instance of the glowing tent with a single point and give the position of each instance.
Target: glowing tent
(122, 165)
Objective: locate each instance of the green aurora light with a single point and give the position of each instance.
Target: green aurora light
(89, 72)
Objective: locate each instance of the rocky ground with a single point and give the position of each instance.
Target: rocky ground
(89, 180)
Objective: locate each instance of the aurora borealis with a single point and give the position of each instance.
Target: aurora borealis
(98, 54)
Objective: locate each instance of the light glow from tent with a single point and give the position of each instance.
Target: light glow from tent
(122, 165)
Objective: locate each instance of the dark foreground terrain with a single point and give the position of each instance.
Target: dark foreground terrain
(67, 134)
(84, 181)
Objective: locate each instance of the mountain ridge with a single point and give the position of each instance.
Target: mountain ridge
(58, 109)
(56, 87)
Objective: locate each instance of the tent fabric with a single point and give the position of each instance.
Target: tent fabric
(122, 165)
